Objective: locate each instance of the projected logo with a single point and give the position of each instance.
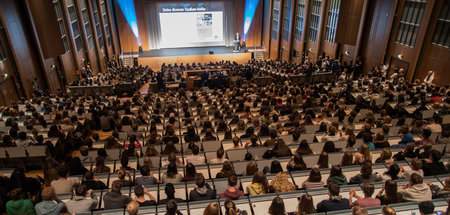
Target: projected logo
(250, 8)
(127, 7)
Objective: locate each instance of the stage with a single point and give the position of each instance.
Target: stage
(155, 58)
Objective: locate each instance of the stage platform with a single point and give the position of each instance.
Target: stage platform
(155, 58)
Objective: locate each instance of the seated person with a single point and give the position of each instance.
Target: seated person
(367, 201)
(232, 193)
(195, 158)
(416, 167)
(337, 176)
(172, 175)
(169, 189)
(171, 137)
(391, 195)
(416, 190)
(62, 185)
(50, 203)
(114, 198)
(366, 174)
(272, 138)
(407, 136)
(147, 177)
(93, 183)
(172, 208)
(385, 156)
(18, 204)
(202, 190)
(438, 192)
(139, 192)
(335, 202)
(432, 166)
(280, 183)
(406, 154)
(209, 136)
(79, 202)
(259, 185)
(314, 180)
(219, 157)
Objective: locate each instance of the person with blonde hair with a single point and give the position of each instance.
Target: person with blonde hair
(211, 209)
(50, 204)
(280, 183)
(358, 210)
(387, 210)
(132, 208)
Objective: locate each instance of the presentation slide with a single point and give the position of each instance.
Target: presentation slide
(191, 24)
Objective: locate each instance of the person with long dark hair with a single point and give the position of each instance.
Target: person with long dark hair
(296, 163)
(366, 174)
(336, 176)
(391, 195)
(172, 175)
(314, 180)
(277, 207)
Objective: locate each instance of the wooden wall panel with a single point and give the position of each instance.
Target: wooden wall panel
(434, 57)
(45, 21)
(8, 92)
(266, 24)
(349, 17)
(22, 46)
(410, 55)
(68, 67)
(376, 35)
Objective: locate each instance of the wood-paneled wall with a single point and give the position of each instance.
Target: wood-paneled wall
(34, 48)
(13, 14)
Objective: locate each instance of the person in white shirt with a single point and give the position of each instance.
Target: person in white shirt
(195, 158)
(429, 78)
(433, 127)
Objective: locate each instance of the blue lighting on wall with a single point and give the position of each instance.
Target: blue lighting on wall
(250, 8)
(128, 11)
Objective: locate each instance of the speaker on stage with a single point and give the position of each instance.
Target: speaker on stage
(140, 49)
(211, 52)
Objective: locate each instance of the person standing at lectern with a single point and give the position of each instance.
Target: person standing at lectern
(237, 43)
